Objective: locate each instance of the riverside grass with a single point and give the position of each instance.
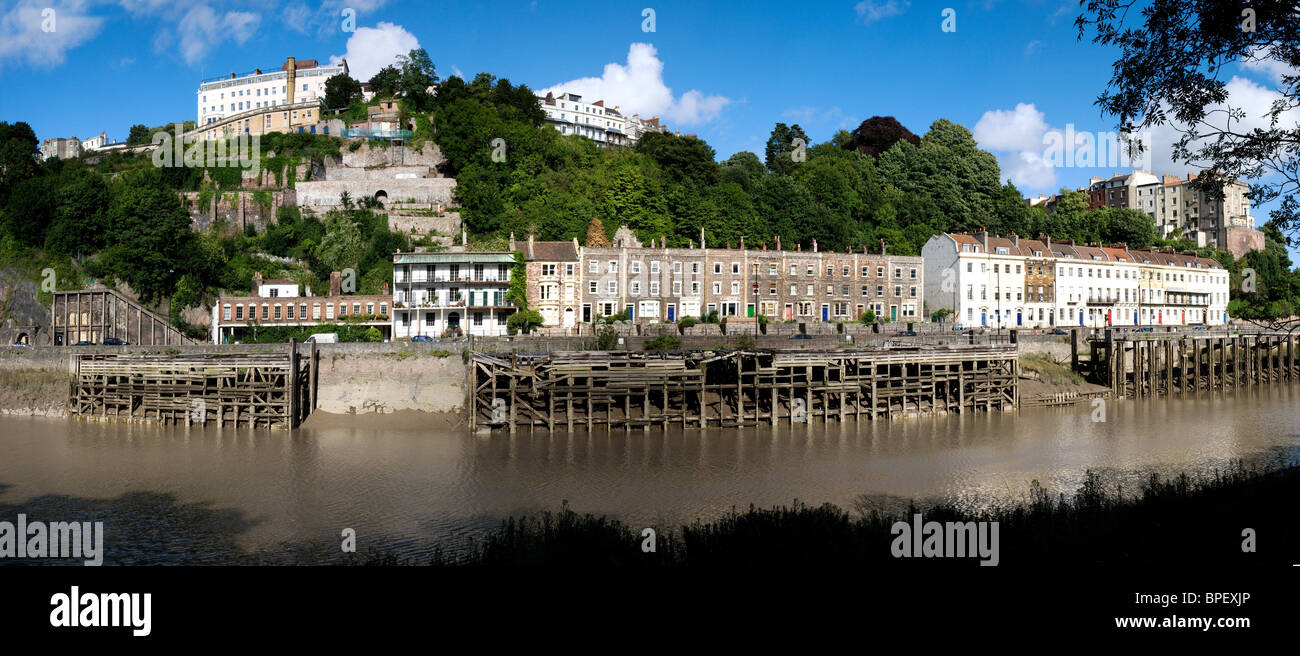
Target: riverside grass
(1169, 522)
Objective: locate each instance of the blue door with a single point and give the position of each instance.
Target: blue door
(1018, 318)
(984, 318)
(672, 313)
(1080, 317)
(826, 313)
(630, 315)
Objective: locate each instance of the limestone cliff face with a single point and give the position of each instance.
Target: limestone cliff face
(21, 313)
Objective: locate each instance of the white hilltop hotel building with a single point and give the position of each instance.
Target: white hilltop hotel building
(1014, 282)
(295, 82)
(607, 126)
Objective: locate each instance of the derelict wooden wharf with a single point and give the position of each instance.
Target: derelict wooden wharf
(616, 389)
(257, 390)
(1181, 365)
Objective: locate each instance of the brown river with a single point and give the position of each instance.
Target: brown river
(410, 485)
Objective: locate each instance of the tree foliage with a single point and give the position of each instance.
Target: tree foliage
(1173, 69)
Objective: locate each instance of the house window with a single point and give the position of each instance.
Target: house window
(613, 287)
(593, 267)
(634, 268)
(636, 288)
(592, 287)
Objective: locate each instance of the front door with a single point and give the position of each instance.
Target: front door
(631, 315)
(893, 313)
(672, 313)
(826, 313)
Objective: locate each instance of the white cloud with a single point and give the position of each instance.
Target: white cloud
(198, 30)
(42, 41)
(202, 28)
(372, 48)
(1018, 129)
(1253, 99)
(638, 88)
(1032, 47)
(870, 11)
(1018, 135)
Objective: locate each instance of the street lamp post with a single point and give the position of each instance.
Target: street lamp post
(998, 294)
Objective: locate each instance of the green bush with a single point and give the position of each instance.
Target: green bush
(664, 342)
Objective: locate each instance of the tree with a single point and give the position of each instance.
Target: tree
(341, 90)
(342, 245)
(778, 154)
(386, 83)
(416, 76)
(150, 234)
(524, 321)
(878, 134)
(1175, 60)
(19, 150)
(138, 136)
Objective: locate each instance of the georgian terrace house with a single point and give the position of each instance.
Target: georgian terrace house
(661, 284)
(276, 302)
(1011, 282)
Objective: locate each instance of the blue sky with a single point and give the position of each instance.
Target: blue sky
(1013, 70)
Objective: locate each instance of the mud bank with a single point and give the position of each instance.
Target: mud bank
(428, 381)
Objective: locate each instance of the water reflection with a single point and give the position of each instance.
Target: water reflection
(220, 495)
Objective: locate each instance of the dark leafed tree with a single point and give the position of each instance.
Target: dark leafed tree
(781, 145)
(386, 83)
(139, 135)
(341, 90)
(1173, 60)
(878, 134)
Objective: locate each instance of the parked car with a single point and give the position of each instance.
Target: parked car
(113, 341)
(84, 343)
(800, 336)
(324, 338)
(1201, 328)
(1060, 331)
(1148, 329)
(423, 338)
(906, 333)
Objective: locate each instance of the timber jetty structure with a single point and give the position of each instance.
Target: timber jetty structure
(1181, 365)
(747, 387)
(256, 390)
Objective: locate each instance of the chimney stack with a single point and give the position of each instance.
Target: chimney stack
(530, 246)
(1043, 237)
(778, 242)
(983, 236)
(291, 73)
(336, 283)
(742, 242)
(512, 242)
(1015, 239)
(814, 242)
(257, 283)
(882, 247)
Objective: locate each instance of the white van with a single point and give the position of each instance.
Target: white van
(324, 338)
